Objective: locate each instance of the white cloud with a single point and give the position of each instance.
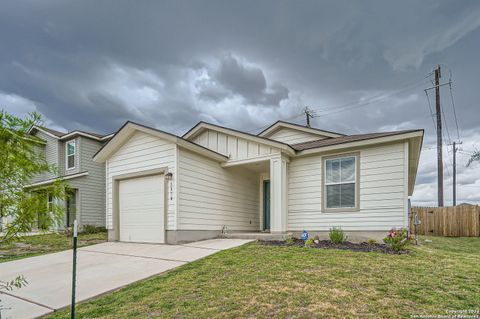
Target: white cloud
(468, 178)
(16, 104)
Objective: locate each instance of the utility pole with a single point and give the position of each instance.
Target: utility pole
(309, 114)
(439, 136)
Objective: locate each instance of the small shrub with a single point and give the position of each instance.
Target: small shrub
(337, 235)
(371, 241)
(397, 239)
(309, 242)
(289, 240)
(91, 229)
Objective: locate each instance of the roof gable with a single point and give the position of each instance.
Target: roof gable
(63, 136)
(279, 125)
(202, 126)
(129, 128)
(293, 136)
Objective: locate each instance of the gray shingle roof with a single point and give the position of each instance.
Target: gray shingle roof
(61, 134)
(54, 132)
(345, 139)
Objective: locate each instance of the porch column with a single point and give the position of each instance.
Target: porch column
(278, 194)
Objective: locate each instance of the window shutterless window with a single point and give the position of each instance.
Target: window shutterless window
(71, 150)
(340, 178)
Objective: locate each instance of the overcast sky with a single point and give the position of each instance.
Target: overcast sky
(363, 65)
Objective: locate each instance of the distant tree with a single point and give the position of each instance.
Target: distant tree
(21, 158)
(474, 158)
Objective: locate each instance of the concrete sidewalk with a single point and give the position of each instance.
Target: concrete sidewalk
(101, 268)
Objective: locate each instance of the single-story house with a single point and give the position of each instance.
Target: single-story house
(163, 188)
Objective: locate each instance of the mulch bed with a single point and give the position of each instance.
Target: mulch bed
(326, 244)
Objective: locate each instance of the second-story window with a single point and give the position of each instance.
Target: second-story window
(71, 150)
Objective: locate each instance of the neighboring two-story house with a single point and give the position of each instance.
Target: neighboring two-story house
(71, 153)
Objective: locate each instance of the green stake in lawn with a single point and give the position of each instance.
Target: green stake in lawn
(74, 272)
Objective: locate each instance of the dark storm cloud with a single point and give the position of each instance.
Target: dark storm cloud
(92, 65)
(232, 77)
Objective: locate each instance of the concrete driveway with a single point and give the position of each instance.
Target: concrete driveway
(100, 268)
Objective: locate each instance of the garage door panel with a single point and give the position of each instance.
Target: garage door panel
(142, 235)
(141, 209)
(139, 219)
(145, 193)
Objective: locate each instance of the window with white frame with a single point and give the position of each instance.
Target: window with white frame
(340, 182)
(71, 150)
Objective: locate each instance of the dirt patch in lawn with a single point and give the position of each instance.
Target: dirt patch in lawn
(326, 244)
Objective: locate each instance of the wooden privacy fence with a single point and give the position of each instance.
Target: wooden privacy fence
(456, 221)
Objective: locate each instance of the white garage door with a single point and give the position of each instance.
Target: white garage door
(141, 209)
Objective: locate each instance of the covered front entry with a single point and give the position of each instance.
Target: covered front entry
(141, 209)
(272, 176)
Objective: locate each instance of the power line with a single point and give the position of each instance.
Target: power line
(450, 160)
(446, 126)
(453, 100)
(374, 99)
(431, 111)
(267, 125)
(454, 110)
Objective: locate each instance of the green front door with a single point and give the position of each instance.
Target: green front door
(266, 205)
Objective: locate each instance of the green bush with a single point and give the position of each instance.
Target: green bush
(337, 236)
(397, 239)
(309, 242)
(371, 241)
(91, 229)
(289, 240)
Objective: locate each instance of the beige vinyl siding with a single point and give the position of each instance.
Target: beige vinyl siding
(382, 192)
(235, 147)
(211, 196)
(292, 136)
(50, 150)
(143, 152)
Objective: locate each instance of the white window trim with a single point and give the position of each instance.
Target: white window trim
(74, 154)
(356, 207)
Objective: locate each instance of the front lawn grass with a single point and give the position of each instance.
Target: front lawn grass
(258, 281)
(29, 246)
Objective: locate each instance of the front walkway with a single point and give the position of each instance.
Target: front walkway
(101, 268)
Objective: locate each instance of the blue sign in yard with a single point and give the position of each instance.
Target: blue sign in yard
(304, 235)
